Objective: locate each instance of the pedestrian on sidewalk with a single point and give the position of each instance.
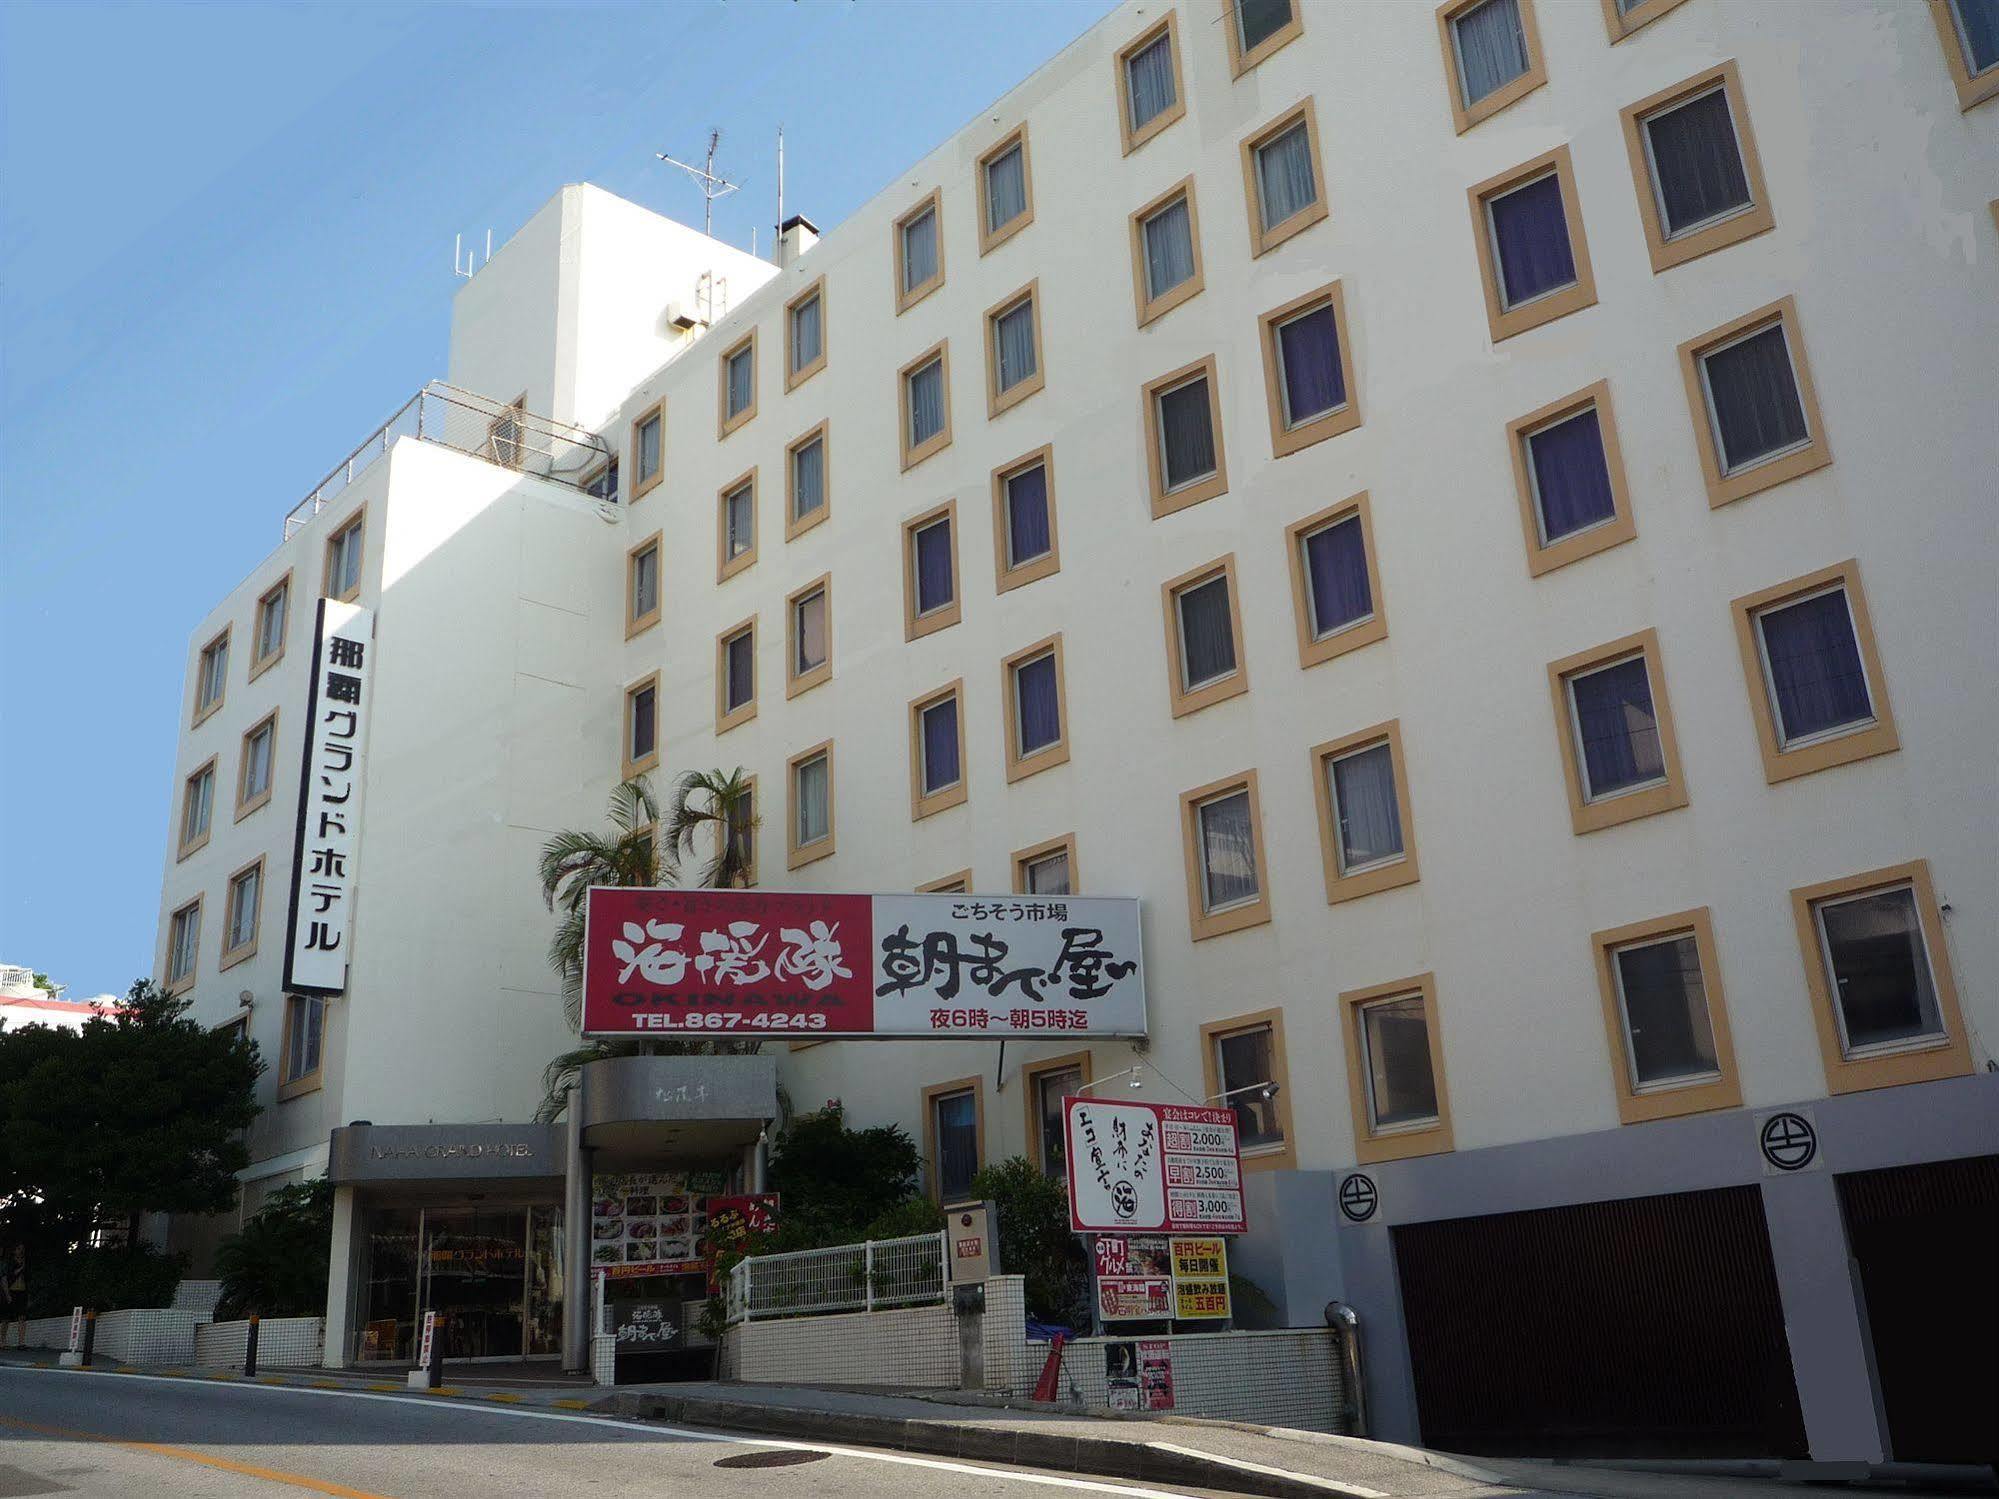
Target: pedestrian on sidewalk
(14, 1303)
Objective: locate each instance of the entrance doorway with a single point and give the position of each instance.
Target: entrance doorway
(492, 1271)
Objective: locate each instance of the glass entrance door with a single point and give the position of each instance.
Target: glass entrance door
(473, 1268)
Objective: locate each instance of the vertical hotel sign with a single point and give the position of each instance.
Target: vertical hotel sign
(317, 935)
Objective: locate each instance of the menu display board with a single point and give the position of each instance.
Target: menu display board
(1154, 1277)
(1147, 1167)
(651, 1223)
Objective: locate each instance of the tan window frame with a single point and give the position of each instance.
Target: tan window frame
(991, 239)
(796, 681)
(1844, 746)
(915, 625)
(1024, 859)
(798, 855)
(1950, 1055)
(1007, 577)
(650, 760)
(1031, 1077)
(1386, 874)
(1313, 648)
(186, 845)
(950, 884)
(998, 400)
(1193, 492)
(933, 1167)
(1395, 1142)
(727, 718)
(1288, 439)
(190, 913)
(726, 423)
(1150, 308)
(1019, 766)
(1464, 116)
(1971, 89)
(936, 442)
(932, 202)
(1170, 29)
(796, 374)
(1763, 473)
(921, 803)
(1718, 234)
(636, 621)
(1621, 23)
(750, 832)
(642, 482)
(1191, 699)
(726, 567)
(1613, 808)
(247, 948)
(1262, 1157)
(217, 649)
(1240, 61)
(1546, 556)
(261, 664)
(1672, 1097)
(305, 1082)
(356, 525)
(246, 804)
(1503, 321)
(1263, 240)
(1202, 922)
(796, 526)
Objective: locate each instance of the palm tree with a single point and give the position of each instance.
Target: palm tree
(572, 862)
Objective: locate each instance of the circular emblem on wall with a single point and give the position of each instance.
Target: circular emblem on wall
(1359, 1198)
(1124, 1199)
(1788, 1141)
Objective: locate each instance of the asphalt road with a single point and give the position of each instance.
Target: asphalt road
(109, 1436)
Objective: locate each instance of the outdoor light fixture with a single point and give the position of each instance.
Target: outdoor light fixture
(1264, 1090)
(1134, 1072)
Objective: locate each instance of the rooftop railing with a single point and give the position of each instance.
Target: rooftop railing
(474, 424)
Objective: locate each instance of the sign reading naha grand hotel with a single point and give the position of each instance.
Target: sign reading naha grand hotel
(813, 963)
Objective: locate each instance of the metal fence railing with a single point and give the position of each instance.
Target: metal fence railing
(868, 1277)
(479, 425)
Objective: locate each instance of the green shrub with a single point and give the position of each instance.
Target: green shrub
(1035, 1241)
(277, 1265)
(106, 1280)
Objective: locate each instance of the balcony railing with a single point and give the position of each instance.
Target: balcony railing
(474, 424)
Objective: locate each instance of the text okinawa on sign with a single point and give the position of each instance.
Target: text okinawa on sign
(788, 963)
(1147, 1167)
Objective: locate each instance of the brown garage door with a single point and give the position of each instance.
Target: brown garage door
(1926, 1239)
(1647, 1326)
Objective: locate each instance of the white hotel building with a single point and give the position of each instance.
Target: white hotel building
(1553, 436)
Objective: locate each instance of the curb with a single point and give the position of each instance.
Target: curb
(1143, 1462)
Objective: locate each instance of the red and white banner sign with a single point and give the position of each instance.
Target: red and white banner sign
(1148, 1167)
(787, 963)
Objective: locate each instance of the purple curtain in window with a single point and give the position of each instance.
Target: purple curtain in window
(1309, 347)
(957, 1146)
(933, 567)
(1620, 736)
(1815, 666)
(742, 670)
(1755, 396)
(1696, 162)
(1187, 435)
(1336, 560)
(1040, 712)
(1978, 23)
(642, 724)
(1530, 235)
(940, 745)
(1027, 514)
(1571, 475)
(1207, 633)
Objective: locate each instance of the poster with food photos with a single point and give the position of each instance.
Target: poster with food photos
(650, 1222)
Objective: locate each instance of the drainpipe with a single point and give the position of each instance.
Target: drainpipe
(1345, 1322)
(575, 1240)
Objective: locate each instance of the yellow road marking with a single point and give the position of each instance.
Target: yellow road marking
(390, 1388)
(183, 1454)
(505, 1399)
(571, 1405)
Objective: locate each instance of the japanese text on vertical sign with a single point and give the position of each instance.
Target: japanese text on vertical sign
(322, 894)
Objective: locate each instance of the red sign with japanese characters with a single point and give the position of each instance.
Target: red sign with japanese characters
(783, 963)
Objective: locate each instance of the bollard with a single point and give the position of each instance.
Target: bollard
(250, 1350)
(436, 1370)
(89, 1337)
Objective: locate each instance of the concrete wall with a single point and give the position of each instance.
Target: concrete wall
(915, 1348)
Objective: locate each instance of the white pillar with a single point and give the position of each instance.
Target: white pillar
(340, 1277)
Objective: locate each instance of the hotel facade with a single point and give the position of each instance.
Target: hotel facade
(1482, 519)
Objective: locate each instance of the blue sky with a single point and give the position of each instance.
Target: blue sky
(228, 257)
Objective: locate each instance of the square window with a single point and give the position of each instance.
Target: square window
(926, 405)
(1364, 823)
(1034, 711)
(648, 449)
(253, 786)
(1619, 757)
(1281, 176)
(1149, 93)
(937, 769)
(930, 576)
(736, 527)
(1046, 874)
(1756, 418)
(919, 250)
(1245, 1064)
(1166, 252)
(806, 477)
(811, 655)
(1257, 28)
(1531, 251)
(1013, 351)
(1024, 521)
(212, 677)
(805, 334)
(1401, 1085)
(1492, 54)
(1969, 31)
(1185, 452)
(811, 805)
(1308, 370)
(1006, 193)
(641, 727)
(1335, 587)
(273, 616)
(736, 676)
(1570, 474)
(1204, 637)
(642, 586)
(343, 561)
(183, 946)
(239, 937)
(1815, 682)
(1699, 181)
(197, 809)
(953, 1122)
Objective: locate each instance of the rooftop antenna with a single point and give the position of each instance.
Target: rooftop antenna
(712, 187)
(463, 261)
(777, 244)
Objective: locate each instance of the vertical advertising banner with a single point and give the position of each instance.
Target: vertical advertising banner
(319, 923)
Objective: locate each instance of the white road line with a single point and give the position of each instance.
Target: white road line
(1330, 1485)
(938, 1464)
